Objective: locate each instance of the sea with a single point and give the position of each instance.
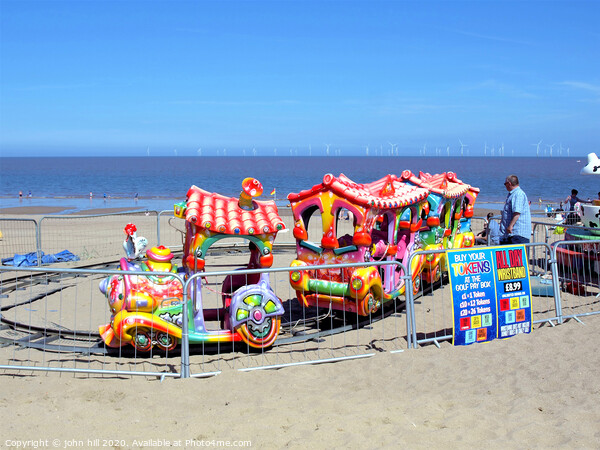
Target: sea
(83, 183)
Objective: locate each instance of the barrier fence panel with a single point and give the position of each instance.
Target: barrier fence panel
(94, 238)
(546, 231)
(50, 320)
(308, 334)
(18, 236)
(432, 306)
(171, 230)
(578, 274)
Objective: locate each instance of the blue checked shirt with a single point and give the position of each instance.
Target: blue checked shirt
(516, 202)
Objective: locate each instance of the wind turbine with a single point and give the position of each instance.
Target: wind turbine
(309, 150)
(424, 149)
(175, 151)
(448, 150)
(550, 147)
(537, 146)
(485, 149)
(253, 151)
(393, 145)
(199, 152)
(502, 150)
(327, 151)
(462, 146)
(367, 151)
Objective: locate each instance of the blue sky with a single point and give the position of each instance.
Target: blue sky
(119, 77)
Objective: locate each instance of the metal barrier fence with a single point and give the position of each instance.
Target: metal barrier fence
(170, 230)
(51, 320)
(93, 238)
(432, 319)
(19, 236)
(578, 277)
(58, 310)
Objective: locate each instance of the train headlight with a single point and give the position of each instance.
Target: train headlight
(296, 276)
(357, 284)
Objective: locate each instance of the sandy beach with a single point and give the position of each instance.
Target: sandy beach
(531, 391)
(534, 391)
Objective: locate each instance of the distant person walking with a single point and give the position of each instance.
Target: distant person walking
(20, 194)
(515, 226)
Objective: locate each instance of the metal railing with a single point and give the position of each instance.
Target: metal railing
(60, 308)
(432, 320)
(51, 319)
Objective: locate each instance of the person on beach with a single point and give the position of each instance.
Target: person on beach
(492, 229)
(570, 201)
(515, 226)
(20, 195)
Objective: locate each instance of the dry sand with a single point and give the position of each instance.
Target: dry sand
(532, 391)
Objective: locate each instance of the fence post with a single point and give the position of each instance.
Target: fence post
(555, 281)
(411, 328)
(38, 242)
(185, 338)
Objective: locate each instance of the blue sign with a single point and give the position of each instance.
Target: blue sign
(490, 293)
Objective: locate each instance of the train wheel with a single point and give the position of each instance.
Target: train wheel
(142, 340)
(260, 335)
(370, 304)
(416, 285)
(166, 341)
(437, 274)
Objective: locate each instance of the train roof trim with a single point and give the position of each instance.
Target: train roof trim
(445, 183)
(221, 214)
(389, 192)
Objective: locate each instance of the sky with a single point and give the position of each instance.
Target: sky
(132, 78)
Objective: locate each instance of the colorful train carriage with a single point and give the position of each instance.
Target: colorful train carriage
(147, 310)
(355, 223)
(447, 224)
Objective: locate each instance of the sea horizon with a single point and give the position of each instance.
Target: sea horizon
(60, 180)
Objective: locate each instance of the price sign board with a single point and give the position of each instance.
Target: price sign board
(490, 293)
(513, 290)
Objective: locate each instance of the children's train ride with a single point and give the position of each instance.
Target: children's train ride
(389, 219)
